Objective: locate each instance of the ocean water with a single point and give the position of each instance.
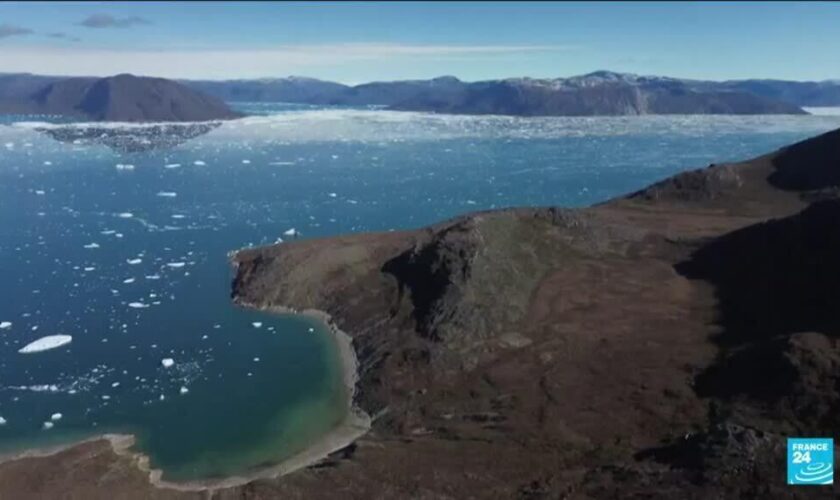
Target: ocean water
(118, 235)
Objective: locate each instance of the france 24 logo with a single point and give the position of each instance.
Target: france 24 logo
(810, 461)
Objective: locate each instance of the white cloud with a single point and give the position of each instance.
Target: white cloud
(238, 63)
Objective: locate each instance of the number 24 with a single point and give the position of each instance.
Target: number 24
(800, 457)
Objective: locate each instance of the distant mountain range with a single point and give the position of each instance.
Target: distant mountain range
(597, 93)
(118, 98)
(130, 98)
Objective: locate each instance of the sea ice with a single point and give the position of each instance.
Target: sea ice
(246, 162)
(176, 265)
(128, 280)
(167, 362)
(56, 416)
(5, 325)
(48, 425)
(122, 166)
(92, 245)
(46, 343)
(134, 262)
(167, 194)
(125, 215)
(199, 163)
(184, 390)
(172, 165)
(333, 195)
(2, 421)
(257, 324)
(137, 305)
(290, 232)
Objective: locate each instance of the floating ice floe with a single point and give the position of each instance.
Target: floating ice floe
(167, 194)
(40, 192)
(128, 281)
(172, 165)
(178, 216)
(291, 232)
(123, 166)
(137, 305)
(125, 215)
(176, 265)
(333, 195)
(46, 343)
(167, 362)
(153, 277)
(256, 360)
(89, 269)
(5, 325)
(48, 425)
(134, 262)
(199, 163)
(56, 416)
(257, 324)
(48, 163)
(2, 421)
(184, 390)
(246, 162)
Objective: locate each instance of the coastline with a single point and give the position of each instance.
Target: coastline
(353, 425)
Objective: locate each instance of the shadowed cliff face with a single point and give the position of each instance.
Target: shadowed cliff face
(775, 278)
(774, 282)
(809, 165)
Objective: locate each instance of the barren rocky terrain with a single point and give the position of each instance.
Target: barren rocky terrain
(658, 345)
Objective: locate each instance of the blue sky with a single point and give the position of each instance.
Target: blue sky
(356, 42)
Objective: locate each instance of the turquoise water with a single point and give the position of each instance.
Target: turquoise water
(83, 237)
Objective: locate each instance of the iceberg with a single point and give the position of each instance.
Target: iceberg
(134, 262)
(48, 425)
(2, 421)
(176, 265)
(137, 305)
(46, 343)
(5, 325)
(257, 324)
(56, 416)
(167, 194)
(167, 362)
(92, 245)
(291, 232)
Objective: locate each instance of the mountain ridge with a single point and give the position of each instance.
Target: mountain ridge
(122, 97)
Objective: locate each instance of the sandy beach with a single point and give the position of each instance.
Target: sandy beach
(355, 424)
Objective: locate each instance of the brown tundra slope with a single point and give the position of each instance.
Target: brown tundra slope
(659, 345)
